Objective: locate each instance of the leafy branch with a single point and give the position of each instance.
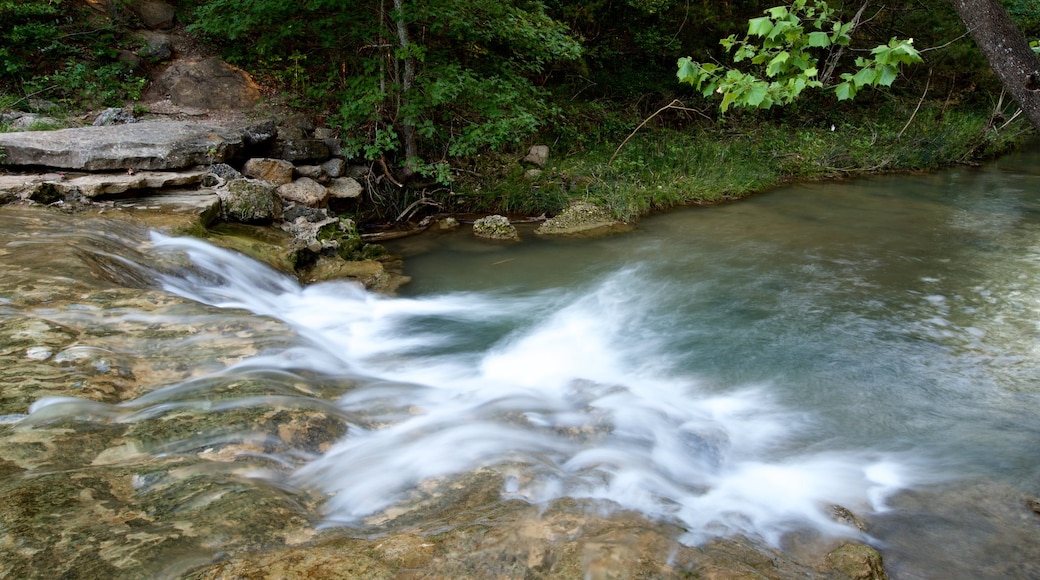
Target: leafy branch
(784, 49)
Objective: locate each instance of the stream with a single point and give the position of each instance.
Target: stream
(717, 373)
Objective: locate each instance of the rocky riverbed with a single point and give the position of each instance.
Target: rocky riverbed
(157, 452)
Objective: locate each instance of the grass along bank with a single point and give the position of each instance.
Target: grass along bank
(661, 168)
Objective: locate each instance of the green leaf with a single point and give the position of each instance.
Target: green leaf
(778, 12)
(819, 39)
(687, 72)
(760, 26)
(757, 94)
(726, 100)
(844, 91)
(776, 65)
(887, 75)
(866, 76)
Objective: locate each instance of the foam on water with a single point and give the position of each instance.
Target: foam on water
(570, 393)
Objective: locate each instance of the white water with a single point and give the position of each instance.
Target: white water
(572, 392)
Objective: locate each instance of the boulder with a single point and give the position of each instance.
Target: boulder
(140, 146)
(581, 217)
(538, 156)
(114, 116)
(335, 167)
(249, 201)
(225, 171)
(304, 191)
(344, 188)
(208, 83)
(312, 171)
(495, 227)
(154, 14)
(274, 171)
(300, 150)
(157, 47)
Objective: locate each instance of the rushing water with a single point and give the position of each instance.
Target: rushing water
(740, 369)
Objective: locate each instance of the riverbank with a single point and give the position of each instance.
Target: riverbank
(710, 162)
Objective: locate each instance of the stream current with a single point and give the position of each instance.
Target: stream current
(735, 370)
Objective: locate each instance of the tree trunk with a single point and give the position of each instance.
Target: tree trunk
(1006, 50)
(411, 150)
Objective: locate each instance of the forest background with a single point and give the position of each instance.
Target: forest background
(444, 96)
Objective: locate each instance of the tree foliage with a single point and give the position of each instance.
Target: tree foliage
(476, 67)
(786, 49)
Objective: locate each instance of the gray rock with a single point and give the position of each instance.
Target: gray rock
(324, 133)
(495, 227)
(274, 171)
(335, 167)
(154, 14)
(312, 214)
(358, 171)
(20, 121)
(581, 217)
(145, 146)
(304, 191)
(344, 188)
(249, 201)
(114, 116)
(157, 47)
(208, 83)
(101, 184)
(225, 171)
(312, 171)
(538, 156)
(300, 150)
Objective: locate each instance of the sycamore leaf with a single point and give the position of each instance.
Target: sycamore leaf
(687, 72)
(819, 39)
(757, 94)
(776, 64)
(887, 75)
(866, 76)
(760, 26)
(726, 100)
(844, 91)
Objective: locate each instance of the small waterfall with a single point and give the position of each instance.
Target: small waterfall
(569, 393)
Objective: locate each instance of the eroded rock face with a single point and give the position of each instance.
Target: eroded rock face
(158, 146)
(207, 83)
(495, 227)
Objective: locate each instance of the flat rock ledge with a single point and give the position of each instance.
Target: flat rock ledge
(162, 145)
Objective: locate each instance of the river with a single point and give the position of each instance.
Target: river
(733, 371)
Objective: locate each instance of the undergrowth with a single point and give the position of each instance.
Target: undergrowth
(712, 162)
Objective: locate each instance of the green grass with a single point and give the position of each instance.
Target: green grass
(711, 163)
